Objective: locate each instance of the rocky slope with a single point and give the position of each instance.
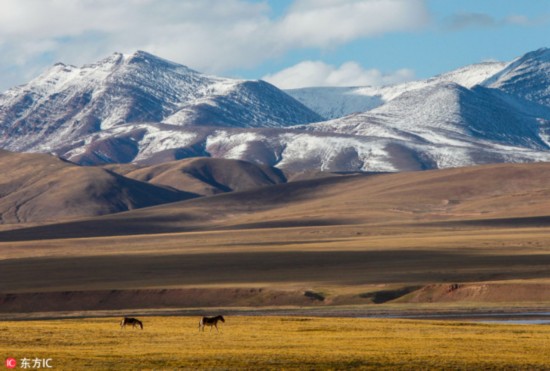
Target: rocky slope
(66, 103)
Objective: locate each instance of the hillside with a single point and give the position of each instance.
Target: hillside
(526, 77)
(40, 188)
(205, 176)
(447, 125)
(333, 102)
(64, 104)
(477, 194)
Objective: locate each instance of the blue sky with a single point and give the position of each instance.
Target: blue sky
(291, 43)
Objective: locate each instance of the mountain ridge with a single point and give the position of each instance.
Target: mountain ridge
(152, 111)
(525, 77)
(334, 102)
(70, 102)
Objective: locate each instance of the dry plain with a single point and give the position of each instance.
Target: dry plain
(474, 235)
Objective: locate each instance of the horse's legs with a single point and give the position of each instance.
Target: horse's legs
(215, 324)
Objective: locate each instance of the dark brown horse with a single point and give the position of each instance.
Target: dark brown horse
(210, 321)
(131, 321)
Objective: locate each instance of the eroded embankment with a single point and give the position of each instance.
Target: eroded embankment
(501, 293)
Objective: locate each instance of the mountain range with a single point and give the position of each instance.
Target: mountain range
(142, 109)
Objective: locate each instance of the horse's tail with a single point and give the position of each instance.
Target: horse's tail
(122, 323)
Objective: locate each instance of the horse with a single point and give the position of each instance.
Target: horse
(210, 321)
(131, 321)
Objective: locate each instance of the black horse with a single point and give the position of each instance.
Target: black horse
(131, 321)
(210, 321)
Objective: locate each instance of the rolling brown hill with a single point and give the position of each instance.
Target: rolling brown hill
(205, 176)
(505, 192)
(40, 188)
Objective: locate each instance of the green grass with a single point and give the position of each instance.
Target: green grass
(277, 342)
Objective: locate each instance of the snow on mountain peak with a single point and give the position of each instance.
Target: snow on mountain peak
(149, 60)
(527, 76)
(542, 54)
(333, 102)
(139, 107)
(471, 75)
(133, 88)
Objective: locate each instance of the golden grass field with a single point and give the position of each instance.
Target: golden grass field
(277, 343)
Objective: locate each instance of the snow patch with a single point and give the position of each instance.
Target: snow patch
(232, 146)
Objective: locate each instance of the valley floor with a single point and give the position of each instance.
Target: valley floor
(302, 267)
(276, 343)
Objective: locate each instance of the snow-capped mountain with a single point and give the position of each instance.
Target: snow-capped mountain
(526, 77)
(334, 102)
(448, 125)
(140, 108)
(67, 102)
(448, 113)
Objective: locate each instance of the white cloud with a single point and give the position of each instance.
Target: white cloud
(323, 23)
(208, 35)
(317, 73)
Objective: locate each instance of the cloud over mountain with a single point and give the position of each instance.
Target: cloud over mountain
(317, 73)
(210, 35)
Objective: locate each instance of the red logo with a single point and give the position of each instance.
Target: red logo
(11, 362)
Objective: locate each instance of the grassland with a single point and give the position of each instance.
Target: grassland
(277, 342)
